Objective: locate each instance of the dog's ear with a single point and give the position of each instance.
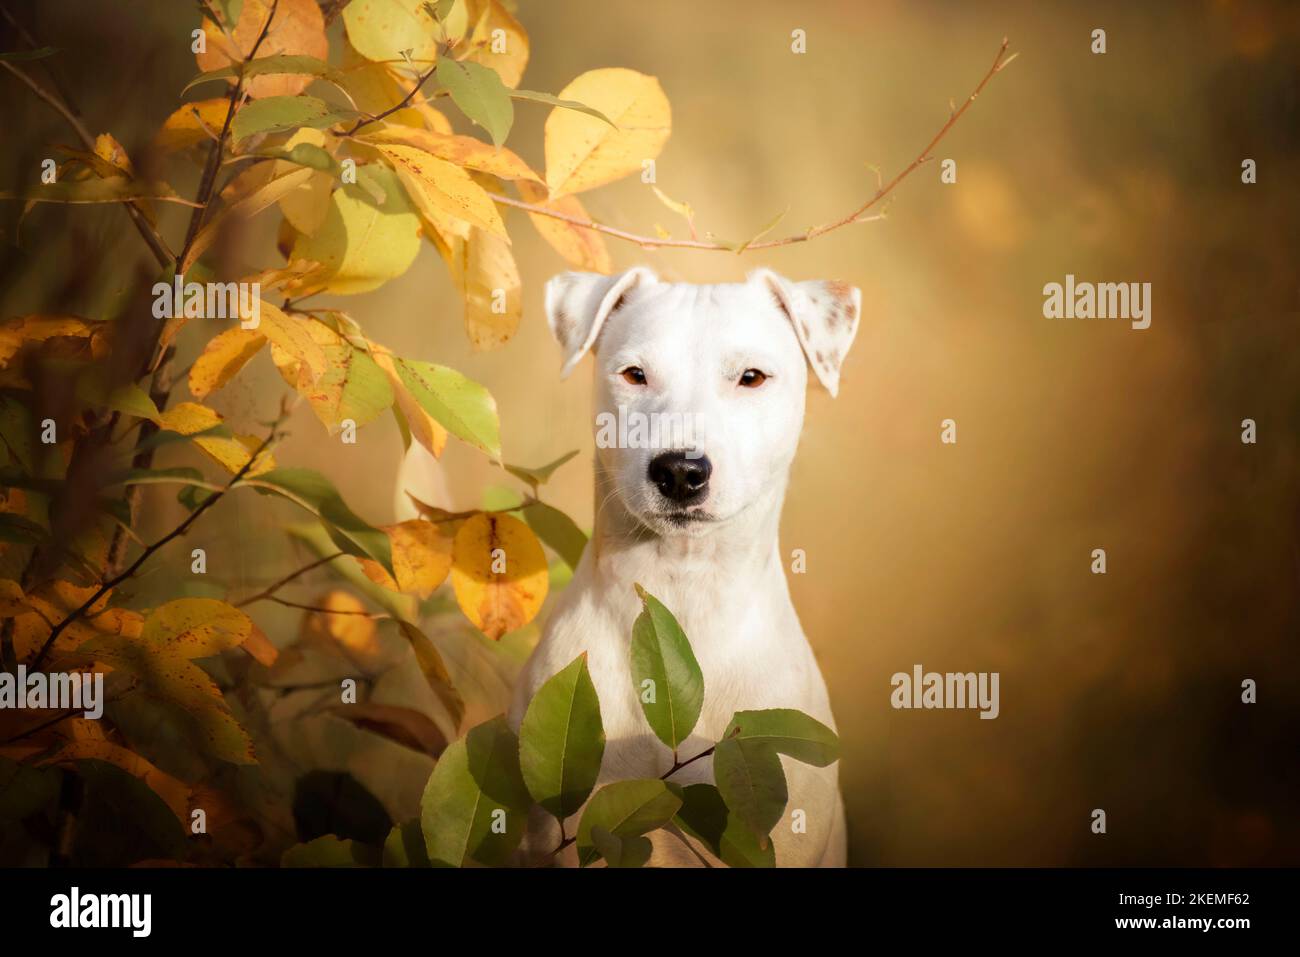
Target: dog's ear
(825, 318)
(578, 303)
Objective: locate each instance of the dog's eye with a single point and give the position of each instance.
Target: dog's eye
(752, 379)
(634, 375)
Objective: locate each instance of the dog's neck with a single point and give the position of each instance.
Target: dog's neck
(735, 559)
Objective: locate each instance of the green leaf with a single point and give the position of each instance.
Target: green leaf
(479, 93)
(550, 100)
(625, 809)
(435, 671)
(331, 851)
(383, 29)
(353, 386)
(704, 816)
(115, 189)
(26, 790)
(542, 473)
(93, 388)
(17, 56)
(275, 114)
(318, 495)
(304, 154)
(475, 806)
(752, 783)
(788, 732)
(299, 64)
(167, 436)
(557, 530)
(122, 820)
(621, 851)
(662, 655)
(405, 846)
(562, 740)
(462, 406)
(20, 530)
(181, 475)
(229, 11)
(370, 234)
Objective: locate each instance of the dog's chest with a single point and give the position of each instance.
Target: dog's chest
(752, 655)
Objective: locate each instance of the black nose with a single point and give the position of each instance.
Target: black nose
(679, 478)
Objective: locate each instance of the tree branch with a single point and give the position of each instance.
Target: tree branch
(401, 104)
(144, 556)
(857, 216)
(151, 236)
(270, 590)
(160, 385)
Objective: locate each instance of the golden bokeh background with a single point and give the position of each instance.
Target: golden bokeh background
(1120, 691)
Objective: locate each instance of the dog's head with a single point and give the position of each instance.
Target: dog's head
(699, 390)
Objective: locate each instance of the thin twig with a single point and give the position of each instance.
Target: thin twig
(157, 245)
(375, 616)
(144, 556)
(678, 765)
(401, 104)
(857, 216)
(213, 164)
(162, 380)
(270, 590)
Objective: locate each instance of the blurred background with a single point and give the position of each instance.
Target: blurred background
(1120, 692)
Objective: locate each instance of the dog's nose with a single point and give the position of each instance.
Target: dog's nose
(679, 478)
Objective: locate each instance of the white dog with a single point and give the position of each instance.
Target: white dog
(696, 525)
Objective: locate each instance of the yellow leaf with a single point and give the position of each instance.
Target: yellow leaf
(347, 623)
(250, 193)
(681, 209)
(583, 152)
(375, 87)
(183, 685)
(363, 243)
(54, 601)
(436, 185)
(112, 152)
(294, 336)
(485, 271)
(463, 151)
(222, 358)
(231, 451)
(15, 333)
(499, 573)
(12, 601)
(421, 558)
(174, 793)
(185, 127)
(489, 17)
(306, 205)
(581, 248)
(424, 428)
(385, 29)
(259, 647)
(352, 385)
(298, 28)
(195, 628)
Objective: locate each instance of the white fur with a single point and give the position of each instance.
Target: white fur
(722, 575)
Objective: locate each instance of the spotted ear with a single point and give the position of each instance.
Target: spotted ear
(825, 318)
(578, 303)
